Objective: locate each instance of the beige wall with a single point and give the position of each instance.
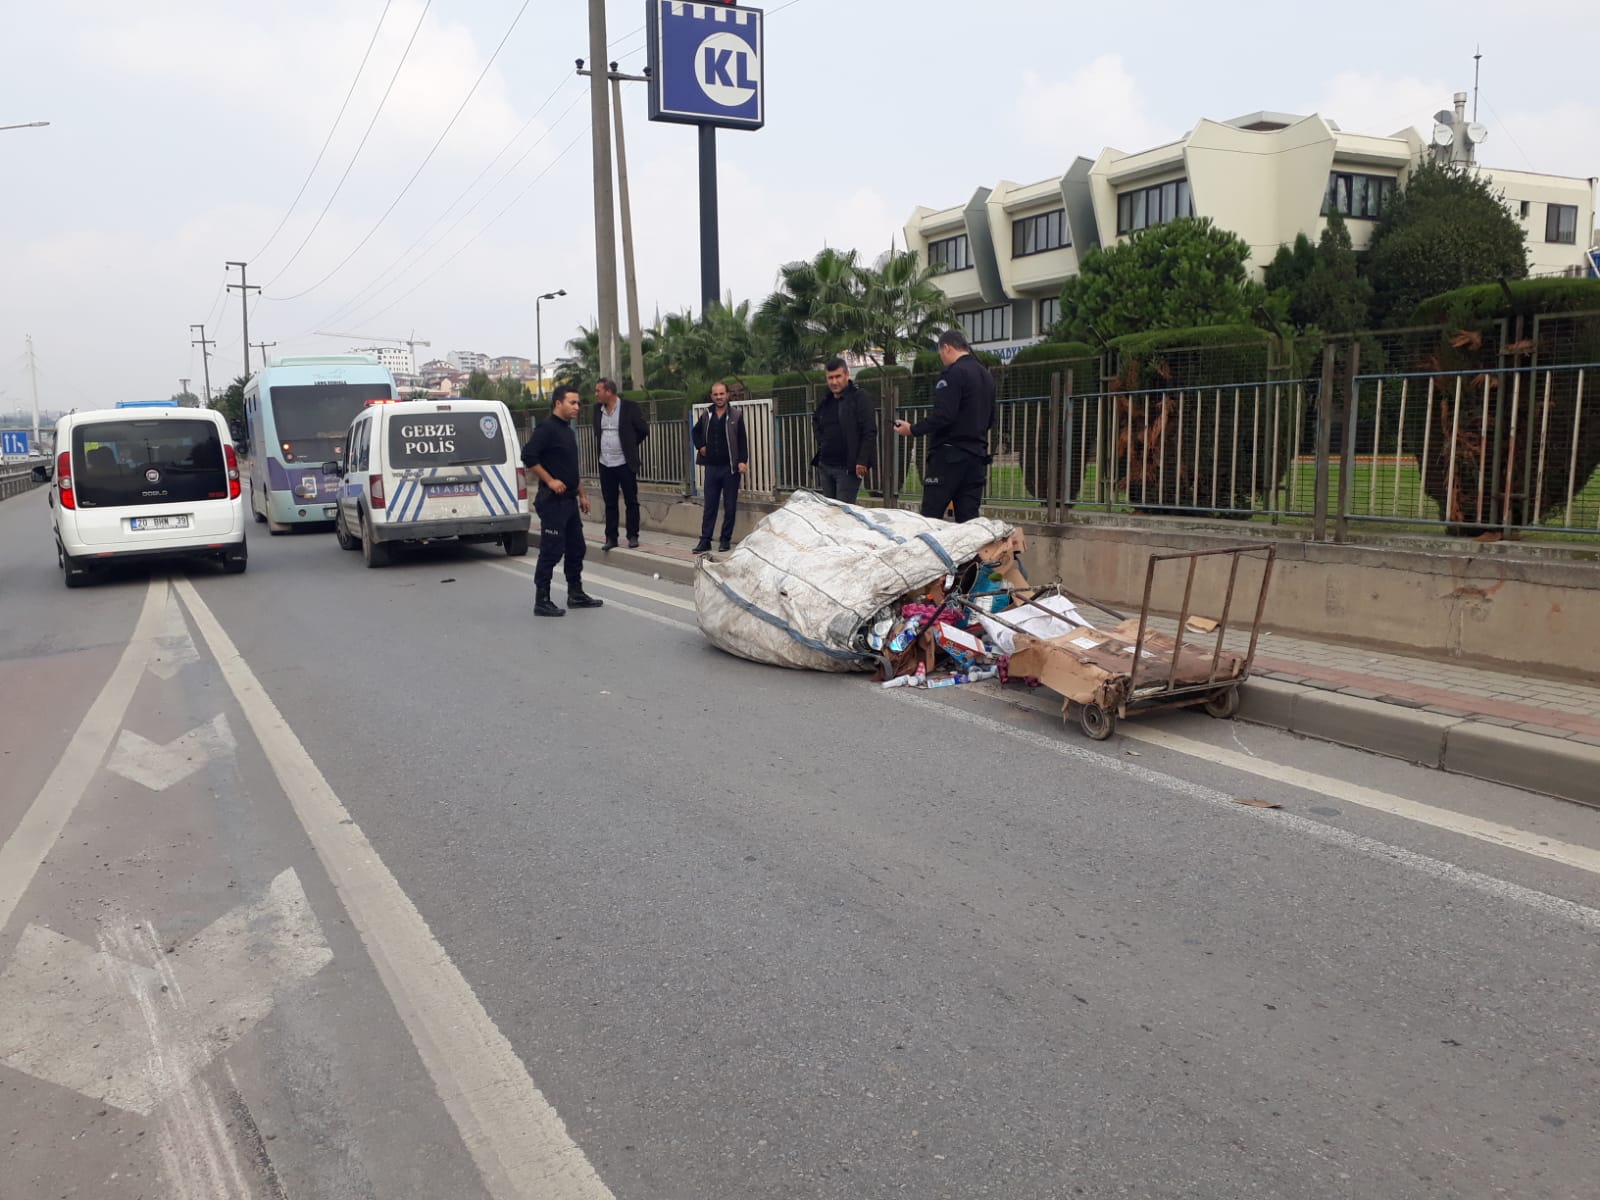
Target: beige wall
(929, 225)
(1541, 191)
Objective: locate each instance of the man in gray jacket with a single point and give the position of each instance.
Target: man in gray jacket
(846, 427)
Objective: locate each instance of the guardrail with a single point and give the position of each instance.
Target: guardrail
(16, 478)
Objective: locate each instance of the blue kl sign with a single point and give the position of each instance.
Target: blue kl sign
(705, 64)
(14, 441)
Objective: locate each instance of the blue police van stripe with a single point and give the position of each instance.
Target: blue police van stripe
(506, 489)
(495, 484)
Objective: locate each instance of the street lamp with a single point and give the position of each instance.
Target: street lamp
(538, 336)
(27, 125)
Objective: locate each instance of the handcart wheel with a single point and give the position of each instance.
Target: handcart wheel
(1224, 704)
(1096, 722)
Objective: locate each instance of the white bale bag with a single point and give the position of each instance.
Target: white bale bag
(800, 590)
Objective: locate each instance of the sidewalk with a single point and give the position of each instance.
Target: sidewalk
(1527, 731)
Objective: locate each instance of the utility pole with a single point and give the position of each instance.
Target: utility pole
(33, 376)
(635, 334)
(605, 234)
(710, 256)
(205, 356)
(244, 289)
(262, 346)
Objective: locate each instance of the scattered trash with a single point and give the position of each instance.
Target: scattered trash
(452, 579)
(1257, 803)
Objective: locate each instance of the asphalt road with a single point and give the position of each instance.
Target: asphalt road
(328, 882)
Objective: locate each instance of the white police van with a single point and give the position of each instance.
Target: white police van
(145, 482)
(418, 470)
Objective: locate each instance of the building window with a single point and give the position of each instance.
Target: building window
(987, 324)
(1156, 205)
(1035, 235)
(1049, 312)
(1358, 196)
(953, 253)
(1522, 209)
(1561, 223)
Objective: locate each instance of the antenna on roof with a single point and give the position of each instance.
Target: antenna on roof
(1476, 59)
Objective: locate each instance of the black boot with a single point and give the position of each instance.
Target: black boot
(725, 545)
(703, 546)
(578, 598)
(543, 606)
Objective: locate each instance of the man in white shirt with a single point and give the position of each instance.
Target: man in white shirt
(619, 429)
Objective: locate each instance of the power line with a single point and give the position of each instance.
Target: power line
(1509, 134)
(329, 139)
(378, 282)
(360, 146)
(429, 158)
(485, 229)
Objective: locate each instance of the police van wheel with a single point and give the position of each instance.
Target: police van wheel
(373, 553)
(342, 534)
(516, 544)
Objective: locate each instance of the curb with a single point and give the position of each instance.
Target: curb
(1518, 758)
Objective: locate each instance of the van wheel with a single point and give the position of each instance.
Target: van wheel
(516, 544)
(342, 534)
(373, 553)
(235, 561)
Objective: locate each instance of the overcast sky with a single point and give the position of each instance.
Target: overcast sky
(182, 131)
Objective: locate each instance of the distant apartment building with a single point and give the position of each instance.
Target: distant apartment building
(468, 360)
(397, 358)
(1266, 177)
(511, 366)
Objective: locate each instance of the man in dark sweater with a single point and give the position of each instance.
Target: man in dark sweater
(552, 455)
(723, 449)
(846, 427)
(957, 466)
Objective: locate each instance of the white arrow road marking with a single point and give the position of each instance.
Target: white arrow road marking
(159, 767)
(41, 825)
(174, 648)
(128, 1024)
(516, 1138)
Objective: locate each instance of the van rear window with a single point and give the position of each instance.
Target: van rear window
(120, 463)
(445, 439)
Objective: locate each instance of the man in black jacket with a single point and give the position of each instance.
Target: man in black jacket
(552, 455)
(619, 429)
(958, 431)
(722, 447)
(846, 426)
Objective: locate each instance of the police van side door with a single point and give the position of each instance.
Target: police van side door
(353, 485)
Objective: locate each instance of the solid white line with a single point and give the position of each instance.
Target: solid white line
(516, 1138)
(659, 618)
(41, 825)
(1553, 906)
(1584, 858)
(606, 581)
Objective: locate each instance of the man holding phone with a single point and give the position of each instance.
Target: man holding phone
(957, 466)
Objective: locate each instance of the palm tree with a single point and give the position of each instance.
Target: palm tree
(902, 309)
(815, 311)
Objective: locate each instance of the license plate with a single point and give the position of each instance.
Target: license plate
(330, 511)
(452, 489)
(180, 521)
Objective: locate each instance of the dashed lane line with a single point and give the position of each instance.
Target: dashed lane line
(515, 1136)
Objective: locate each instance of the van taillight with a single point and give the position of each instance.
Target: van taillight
(375, 490)
(233, 470)
(522, 483)
(64, 478)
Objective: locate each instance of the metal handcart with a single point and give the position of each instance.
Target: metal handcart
(1133, 668)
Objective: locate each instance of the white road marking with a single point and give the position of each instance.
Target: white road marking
(516, 1138)
(158, 766)
(41, 825)
(606, 581)
(68, 1027)
(198, 1156)
(174, 648)
(659, 618)
(1584, 858)
(1553, 906)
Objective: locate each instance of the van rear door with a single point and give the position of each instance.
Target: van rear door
(450, 463)
(145, 481)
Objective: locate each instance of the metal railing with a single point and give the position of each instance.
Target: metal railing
(19, 477)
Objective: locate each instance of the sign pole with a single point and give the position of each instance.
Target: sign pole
(710, 251)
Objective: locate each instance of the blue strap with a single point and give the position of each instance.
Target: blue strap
(779, 623)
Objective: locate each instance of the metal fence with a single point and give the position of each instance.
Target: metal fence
(1494, 427)
(19, 477)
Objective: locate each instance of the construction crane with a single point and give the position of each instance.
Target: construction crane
(411, 343)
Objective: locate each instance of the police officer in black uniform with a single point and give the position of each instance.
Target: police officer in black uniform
(958, 431)
(552, 455)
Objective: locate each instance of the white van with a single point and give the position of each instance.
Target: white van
(145, 483)
(417, 470)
